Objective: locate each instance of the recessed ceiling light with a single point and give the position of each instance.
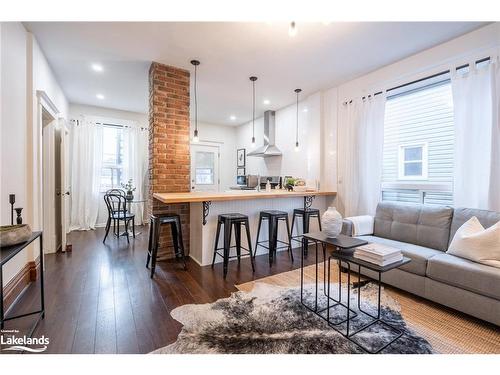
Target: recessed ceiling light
(305, 109)
(97, 67)
(100, 96)
(232, 117)
(267, 101)
(292, 29)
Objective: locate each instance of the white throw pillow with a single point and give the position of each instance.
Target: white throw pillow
(472, 241)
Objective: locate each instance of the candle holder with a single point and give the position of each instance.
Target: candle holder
(19, 219)
(12, 200)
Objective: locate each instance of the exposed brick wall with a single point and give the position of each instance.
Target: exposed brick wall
(169, 157)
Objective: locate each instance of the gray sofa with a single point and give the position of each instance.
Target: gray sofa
(423, 233)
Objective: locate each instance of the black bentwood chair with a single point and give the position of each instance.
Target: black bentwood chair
(118, 192)
(117, 211)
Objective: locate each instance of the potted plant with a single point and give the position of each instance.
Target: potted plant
(129, 188)
(289, 183)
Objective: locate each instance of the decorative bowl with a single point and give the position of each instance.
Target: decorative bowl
(11, 235)
(299, 188)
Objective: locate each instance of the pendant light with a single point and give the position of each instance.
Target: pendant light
(195, 137)
(253, 79)
(297, 91)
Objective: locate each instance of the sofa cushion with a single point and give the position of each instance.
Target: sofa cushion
(419, 255)
(461, 215)
(423, 225)
(473, 242)
(465, 274)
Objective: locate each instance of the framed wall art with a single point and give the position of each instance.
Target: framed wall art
(241, 158)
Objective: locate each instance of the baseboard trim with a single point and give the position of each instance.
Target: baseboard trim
(15, 287)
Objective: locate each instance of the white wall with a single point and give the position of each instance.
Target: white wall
(13, 108)
(76, 110)
(24, 71)
(468, 47)
(45, 80)
(306, 162)
(224, 137)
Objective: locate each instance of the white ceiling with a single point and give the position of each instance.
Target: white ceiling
(318, 57)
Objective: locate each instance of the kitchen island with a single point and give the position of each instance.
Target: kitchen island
(206, 206)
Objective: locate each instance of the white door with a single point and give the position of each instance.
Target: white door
(64, 188)
(204, 168)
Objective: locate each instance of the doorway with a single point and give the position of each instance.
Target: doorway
(55, 191)
(205, 167)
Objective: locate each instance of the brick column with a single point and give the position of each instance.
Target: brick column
(169, 157)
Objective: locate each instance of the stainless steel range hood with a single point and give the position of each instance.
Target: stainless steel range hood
(269, 148)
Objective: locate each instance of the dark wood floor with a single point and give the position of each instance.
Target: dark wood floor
(100, 298)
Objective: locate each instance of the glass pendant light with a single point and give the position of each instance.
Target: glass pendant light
(253, 79)
(195, 136)
(297, 91)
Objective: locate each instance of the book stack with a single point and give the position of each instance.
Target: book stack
(378, 254)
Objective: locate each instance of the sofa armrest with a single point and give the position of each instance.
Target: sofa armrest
(358, 225)
(347, 227)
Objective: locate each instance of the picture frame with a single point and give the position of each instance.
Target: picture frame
(241, 158)
(240, 171)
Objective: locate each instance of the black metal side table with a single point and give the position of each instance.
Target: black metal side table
(6, 254)
(343, 252)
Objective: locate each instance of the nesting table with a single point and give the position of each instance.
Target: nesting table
(342, 252)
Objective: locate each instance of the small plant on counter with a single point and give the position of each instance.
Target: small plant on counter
(290, 183)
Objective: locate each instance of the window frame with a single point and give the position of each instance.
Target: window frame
(402, 162)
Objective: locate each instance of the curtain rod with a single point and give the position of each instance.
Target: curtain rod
(422, 79)
(109, 124)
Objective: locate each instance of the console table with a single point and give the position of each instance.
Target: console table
(8, 253)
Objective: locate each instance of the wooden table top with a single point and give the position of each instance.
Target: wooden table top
(233, 195)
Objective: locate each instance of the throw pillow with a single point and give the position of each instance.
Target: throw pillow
(473, 242)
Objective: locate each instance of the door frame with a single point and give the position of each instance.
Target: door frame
(39, 193)
(206, 144)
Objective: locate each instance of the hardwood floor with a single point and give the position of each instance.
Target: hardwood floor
(100, 298)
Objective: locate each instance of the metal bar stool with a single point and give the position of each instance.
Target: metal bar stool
(229, 221)
(155, 223)
(306, 214)
(274, 217)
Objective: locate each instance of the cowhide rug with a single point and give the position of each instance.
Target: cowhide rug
(271, 319)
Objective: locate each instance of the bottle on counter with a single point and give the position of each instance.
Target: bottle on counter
(268, 186)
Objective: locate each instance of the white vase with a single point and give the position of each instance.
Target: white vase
(331, 222)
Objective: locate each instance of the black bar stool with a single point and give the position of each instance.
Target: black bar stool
(229, 221)
(274, 217)
(155, 223)
(306, 214)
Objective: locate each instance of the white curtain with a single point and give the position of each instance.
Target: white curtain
(361, 145)
(477, 137)
(86, 150)
(136, 167)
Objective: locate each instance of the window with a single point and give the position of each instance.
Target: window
(413, 162)
(112, 157)
(418, 143)
(204, 170)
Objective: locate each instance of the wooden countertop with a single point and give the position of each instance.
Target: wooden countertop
(233, 195)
